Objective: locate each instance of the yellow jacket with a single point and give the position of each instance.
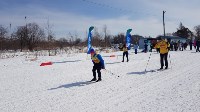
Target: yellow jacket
(156, 46)
(125, 49)
(163, 45)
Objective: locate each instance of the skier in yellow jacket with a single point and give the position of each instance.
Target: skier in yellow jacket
(125, 52)
(164, 49)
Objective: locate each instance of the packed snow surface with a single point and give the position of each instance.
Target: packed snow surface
(25, 86)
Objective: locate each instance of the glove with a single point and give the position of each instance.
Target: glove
(103, 67)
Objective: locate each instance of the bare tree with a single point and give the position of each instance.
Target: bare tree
(62, 42)
(50, 36)
(3, 33)
(120, 38)
(34, 36)
(30, 35)
(96, 39)
(21, 36)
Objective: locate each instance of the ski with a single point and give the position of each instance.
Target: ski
(94, 81)
(91, 81)
(162, 69)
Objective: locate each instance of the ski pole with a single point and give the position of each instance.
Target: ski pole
(110, 72)
(170, 61)
(147, 62)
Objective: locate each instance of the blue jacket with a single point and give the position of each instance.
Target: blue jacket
(96, 58)
(135, 46)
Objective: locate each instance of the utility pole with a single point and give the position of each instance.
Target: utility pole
(105, 31)
(164, 22)
(26, 26)
(10, 31)
(10, 34)
(26, 34)
(48, 37)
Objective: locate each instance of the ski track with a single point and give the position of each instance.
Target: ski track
(175, 89)
(155, 82)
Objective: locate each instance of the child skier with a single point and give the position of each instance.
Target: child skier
(98, 65)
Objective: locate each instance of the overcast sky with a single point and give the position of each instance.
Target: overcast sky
(76, 16)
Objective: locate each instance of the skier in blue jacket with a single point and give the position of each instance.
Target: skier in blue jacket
(98, 64)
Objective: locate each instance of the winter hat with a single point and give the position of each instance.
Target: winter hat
(92, 50)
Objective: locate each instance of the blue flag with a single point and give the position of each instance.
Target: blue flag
(89, 39)
(128, 38)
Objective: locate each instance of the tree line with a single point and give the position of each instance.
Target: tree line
(32, 37)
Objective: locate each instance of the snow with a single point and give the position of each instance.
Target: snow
(125, 87)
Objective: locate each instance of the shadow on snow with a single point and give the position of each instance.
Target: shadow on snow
(142, 72)
(194, 52)
(113, 63)
(76, 84)
(67, 61)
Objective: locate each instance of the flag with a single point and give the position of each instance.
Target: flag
(89, 39)
(128, 38)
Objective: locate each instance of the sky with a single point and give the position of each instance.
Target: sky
(75, 17)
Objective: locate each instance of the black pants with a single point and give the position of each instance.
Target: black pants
(158, 50)
(197, 49)
(125, 53)
(162, 58)
(135, 51)
(97, 67)
(190, 47)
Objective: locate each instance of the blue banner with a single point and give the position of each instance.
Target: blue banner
(89, 39)
(128, 38)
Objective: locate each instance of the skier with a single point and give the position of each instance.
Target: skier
(198, 45)
(145, 48)
(190, 44)
(164, 49)
(194, 44)
(125, 52)
(151, 47)
(157, 47)
(136, 47)
(172, 46)
(98, 64)
(175, 46)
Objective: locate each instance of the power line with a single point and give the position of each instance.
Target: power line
(121, 9)
(107, 6)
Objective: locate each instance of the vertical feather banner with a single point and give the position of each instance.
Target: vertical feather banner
(128, 38)
(89, 39)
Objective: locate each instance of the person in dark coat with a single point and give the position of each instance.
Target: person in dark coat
(190, 43)
(145, 47)
(125, 52)
(136, 47)
(198, 45)
(172, 46)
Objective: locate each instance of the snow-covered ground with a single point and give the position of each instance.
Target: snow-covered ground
(25, 86)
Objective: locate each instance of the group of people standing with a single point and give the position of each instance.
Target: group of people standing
(174, 46)
(162, 46)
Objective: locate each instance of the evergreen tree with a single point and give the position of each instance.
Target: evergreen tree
(183, 31)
